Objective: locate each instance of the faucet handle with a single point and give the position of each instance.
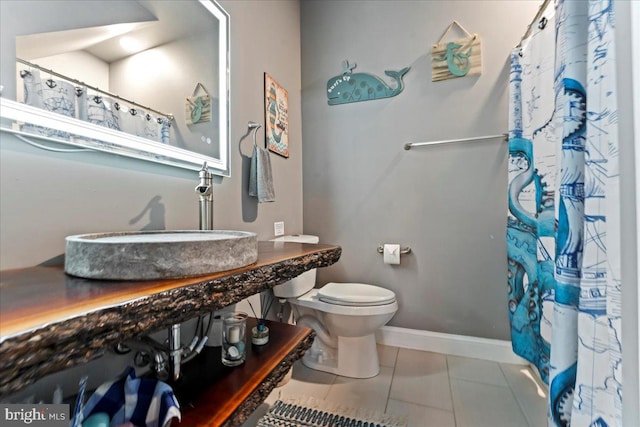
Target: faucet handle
(204, 171)
(205, 187)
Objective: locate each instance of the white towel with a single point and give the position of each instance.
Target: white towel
(260, 176)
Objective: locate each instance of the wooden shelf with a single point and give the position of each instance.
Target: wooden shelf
(50, 321)
(211, 394)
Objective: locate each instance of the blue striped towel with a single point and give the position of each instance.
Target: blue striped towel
(141, 401)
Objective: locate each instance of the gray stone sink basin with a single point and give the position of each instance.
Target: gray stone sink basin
(146, 255)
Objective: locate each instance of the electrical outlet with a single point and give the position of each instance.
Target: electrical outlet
(278, 228)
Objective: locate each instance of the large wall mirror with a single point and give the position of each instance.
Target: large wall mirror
(146, 79)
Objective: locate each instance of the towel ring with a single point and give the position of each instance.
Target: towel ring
(255, 126)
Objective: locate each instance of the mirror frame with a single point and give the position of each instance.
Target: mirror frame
(121, 143)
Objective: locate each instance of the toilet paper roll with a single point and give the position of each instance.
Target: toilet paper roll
(391, 254)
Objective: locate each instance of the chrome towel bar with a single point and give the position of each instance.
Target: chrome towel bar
(410, 145)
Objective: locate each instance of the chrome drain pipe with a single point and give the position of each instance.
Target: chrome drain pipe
(175, 351)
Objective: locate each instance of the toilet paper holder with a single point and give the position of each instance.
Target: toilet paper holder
(403, 251)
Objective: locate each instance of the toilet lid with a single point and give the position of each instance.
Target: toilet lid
(355, 294)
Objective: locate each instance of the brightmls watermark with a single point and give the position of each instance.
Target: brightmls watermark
(41, 415)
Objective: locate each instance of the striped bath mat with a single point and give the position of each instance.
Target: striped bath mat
(318, 413)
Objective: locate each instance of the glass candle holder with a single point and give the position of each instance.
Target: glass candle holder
(234, 326)
(260, 334)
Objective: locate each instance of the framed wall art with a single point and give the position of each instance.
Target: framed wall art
(457, 58)
(276, 116)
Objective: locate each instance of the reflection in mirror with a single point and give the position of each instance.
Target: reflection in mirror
(147, 79)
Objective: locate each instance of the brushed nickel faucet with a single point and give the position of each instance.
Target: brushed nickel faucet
(205, 193)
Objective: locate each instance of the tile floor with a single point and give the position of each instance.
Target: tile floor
(432, 390)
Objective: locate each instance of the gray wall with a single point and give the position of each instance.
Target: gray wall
(47, 196)
(448, 203)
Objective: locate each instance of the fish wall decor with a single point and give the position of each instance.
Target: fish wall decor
(353, 87)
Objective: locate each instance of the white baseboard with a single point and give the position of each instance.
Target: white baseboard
(457, 345)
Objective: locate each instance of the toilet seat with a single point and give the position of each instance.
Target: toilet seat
(312, 300)
(355, 294)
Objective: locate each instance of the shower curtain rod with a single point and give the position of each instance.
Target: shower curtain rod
(410, 145)
(78, 82)
(543, 6)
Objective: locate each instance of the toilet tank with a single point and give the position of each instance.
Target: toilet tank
(302, 284)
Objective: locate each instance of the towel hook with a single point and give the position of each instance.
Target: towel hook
(255, 126)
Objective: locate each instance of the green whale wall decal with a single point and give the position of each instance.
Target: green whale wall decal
(350, 87)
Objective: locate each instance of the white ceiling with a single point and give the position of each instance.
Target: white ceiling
(168, 20)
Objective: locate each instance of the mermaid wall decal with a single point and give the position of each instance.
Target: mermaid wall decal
(457, 58)
(457, 61)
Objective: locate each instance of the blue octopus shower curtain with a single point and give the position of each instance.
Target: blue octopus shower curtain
(563, 222)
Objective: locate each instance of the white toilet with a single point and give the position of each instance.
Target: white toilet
(344, 316)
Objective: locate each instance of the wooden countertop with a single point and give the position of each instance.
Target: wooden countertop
(51, 321)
